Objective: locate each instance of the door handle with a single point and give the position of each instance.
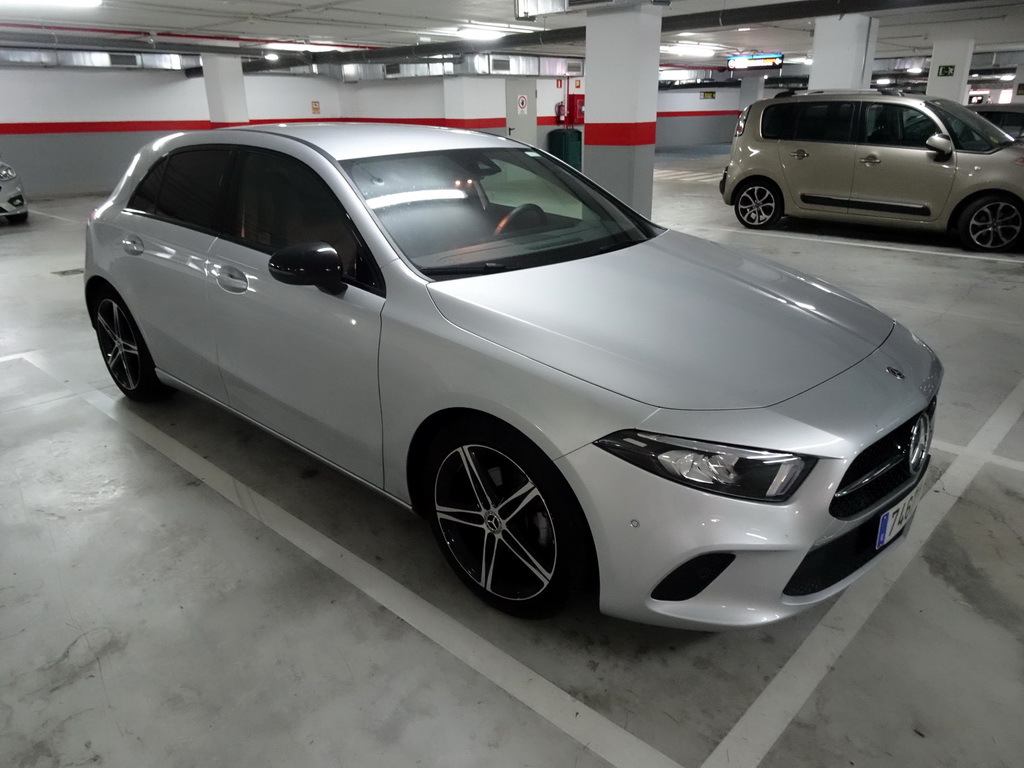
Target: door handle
(870, 160)
(799, 154)
(132, 245)
(231, 279)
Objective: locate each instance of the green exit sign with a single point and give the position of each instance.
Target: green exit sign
(708, 94)
(947, 70)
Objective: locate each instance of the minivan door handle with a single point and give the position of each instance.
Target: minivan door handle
(870, 160)
(799, 154)
(132, 245)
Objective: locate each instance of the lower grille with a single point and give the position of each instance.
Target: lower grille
(693, 577)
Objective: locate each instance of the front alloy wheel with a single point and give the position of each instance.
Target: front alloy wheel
(991, 224)
(505, 519)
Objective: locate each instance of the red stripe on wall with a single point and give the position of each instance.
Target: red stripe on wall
(620, 134)
(129, 126)
(702, 113)
(547, 120)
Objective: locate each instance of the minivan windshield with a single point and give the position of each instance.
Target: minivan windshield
(462, 212)
(969, 131)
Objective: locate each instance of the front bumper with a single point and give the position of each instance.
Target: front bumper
(756, 562)
(12, 198)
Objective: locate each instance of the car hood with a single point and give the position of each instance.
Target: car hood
(676, 322)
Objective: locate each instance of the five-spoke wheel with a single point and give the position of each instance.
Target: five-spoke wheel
(124, 350)
(758, 204)
(992, 223)
(504, 518)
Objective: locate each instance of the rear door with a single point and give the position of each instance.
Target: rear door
(896, 175)
(816, 153)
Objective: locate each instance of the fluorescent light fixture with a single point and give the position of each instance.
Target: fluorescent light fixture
(50, 3)
(883, 81)
(1007, 78)
(271, 56)
(693, 50)
(915, 71)
(479, 33)
(687, 34)
(743, 29)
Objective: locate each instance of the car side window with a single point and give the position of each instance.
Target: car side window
(896, 125)
(192, 187)
(145, 195)
(281, 202)
(775, 119)
(824, 121)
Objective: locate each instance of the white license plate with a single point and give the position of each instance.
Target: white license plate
(895, 520)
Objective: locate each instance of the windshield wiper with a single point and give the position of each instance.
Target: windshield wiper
(478, 268)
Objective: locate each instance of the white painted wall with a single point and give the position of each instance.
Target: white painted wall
(471, 98)
(690, 100)
(691, 128)
(290, 97)
(409, 99)
(45, 96)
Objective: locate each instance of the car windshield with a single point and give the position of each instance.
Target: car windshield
(968, 130)
(462, 212)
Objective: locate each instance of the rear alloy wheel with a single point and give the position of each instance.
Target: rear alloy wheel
(505, 519)
(993, 223)
(124, 350)
(758, 205)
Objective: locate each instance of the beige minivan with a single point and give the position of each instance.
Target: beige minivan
(877, 158)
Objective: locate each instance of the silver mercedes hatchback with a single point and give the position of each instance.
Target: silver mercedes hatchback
(574, 397)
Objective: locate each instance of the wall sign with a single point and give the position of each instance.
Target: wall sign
(707, 94)
(947, 70)
(315, 107)
(522, 104)
(558, 83)
(1020, 89)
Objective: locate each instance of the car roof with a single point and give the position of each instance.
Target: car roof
(345, 141)
(1018, 107)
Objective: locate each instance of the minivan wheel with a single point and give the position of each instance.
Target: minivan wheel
(992, 223)
(124, 351)
(758, 204)
(504, 517)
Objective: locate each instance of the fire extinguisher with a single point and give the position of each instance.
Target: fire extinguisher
(560, 112)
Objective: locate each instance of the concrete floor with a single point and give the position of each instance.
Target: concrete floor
(179, 589)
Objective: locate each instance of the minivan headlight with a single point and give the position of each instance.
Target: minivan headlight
(6, 172)
(724, 469)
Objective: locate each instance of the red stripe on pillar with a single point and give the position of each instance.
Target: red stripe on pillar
(620, 134)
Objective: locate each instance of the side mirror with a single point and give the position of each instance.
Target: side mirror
(309, 264)
(940, 143)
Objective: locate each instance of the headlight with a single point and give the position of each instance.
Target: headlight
(6, 172)
(723, 469)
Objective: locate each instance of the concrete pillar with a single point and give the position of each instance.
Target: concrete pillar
(1018, 86)
(843, 51)
(225, 91)
(622, 101)
(950, 70)
(751, 88)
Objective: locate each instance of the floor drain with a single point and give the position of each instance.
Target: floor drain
(66, 272)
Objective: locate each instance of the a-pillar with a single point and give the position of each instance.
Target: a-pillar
(950, 69)
(225, 90)
(622, 101)
(843, 51)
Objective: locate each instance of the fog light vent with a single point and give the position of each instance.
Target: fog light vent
(692, 577)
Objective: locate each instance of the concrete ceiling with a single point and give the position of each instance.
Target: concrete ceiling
(995, 25)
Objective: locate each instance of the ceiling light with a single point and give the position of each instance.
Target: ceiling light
(743, 29)
(694, 50)
(687, 34)
(479, 33)
(1007, 78)
(883, 81)
(271, 56)
(50, 3)
(915, 71)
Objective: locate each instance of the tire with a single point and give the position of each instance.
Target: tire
(124, 351)
(758, 204)
(992, 223)
(18, 218)
(505, 518)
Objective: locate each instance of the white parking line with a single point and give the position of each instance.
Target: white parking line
(861, 244)
(37, 212)
(591, 729)
(754, 734)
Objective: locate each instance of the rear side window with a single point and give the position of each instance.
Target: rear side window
(145, 195)
(824, 121)
(192, 188)
(775, 120)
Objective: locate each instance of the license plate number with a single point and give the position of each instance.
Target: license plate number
(895, 520)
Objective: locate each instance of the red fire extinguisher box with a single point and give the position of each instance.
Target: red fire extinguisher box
(574, 108)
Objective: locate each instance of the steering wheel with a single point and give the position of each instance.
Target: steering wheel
(518, 212)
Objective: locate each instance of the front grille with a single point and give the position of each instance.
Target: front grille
(884, 466)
